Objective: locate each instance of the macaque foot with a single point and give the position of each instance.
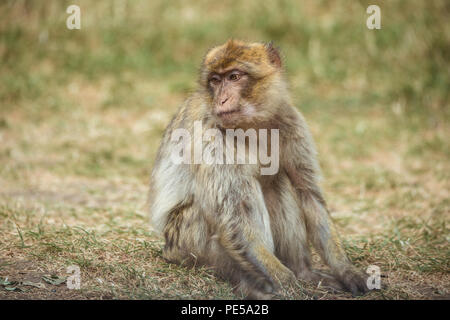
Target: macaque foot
(355, 282)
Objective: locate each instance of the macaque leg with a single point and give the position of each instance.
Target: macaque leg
(236, 250)
(185, 236)
(247, 239)
(322, 234)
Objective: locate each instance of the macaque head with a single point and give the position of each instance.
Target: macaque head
(239, 79)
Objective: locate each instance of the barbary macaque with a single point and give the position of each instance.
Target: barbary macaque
(253, 228)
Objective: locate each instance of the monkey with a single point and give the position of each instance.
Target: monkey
(253, 230)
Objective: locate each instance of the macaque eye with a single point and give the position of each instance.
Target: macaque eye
(215, 79)
(234, 76)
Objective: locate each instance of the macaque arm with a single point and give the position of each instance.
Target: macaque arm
(303, 172)
(169, 185)
(243, 230)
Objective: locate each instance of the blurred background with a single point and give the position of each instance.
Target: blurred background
(82, 113)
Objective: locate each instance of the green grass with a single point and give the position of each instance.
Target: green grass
(82, 113)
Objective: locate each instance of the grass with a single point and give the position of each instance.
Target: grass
(82, 113)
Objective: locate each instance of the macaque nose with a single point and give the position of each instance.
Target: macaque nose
(223, 101)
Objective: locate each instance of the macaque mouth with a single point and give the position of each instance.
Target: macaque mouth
(227, 112)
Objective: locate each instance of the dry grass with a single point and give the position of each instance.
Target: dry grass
(76, 145)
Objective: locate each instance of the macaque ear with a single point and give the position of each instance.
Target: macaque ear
(274, 55)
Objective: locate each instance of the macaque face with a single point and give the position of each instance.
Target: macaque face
(227, 89)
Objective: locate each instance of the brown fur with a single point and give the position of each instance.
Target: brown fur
(253, 230)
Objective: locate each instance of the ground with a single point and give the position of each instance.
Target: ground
(81, 117)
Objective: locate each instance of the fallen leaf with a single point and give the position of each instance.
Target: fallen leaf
(34, 284)
(5, 282)
(54, 279)
(13, 289)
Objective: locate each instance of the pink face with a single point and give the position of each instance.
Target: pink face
(227, 89)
